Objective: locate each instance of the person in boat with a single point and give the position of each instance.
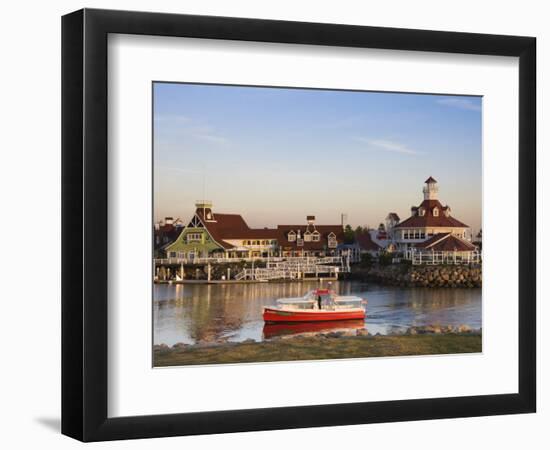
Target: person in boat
(319, 301)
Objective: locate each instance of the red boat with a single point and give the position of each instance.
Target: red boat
(319, 305)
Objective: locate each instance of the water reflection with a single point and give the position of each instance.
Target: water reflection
(272, 330)
(233, 312)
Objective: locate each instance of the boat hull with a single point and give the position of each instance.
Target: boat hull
(273, 315)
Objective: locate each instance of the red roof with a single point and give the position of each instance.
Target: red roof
(366, 243)
(324, 231)
(233, 226)
(446, 242)
(429, 220)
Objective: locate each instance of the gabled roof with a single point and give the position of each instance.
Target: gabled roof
(323, 230)
(429, 220)
(446, 242)
(366, 243)
(233, 226)
(430, 180)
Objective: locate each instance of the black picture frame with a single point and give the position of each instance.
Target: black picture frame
(84, 224)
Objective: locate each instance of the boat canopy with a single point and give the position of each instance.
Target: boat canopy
(295, 300)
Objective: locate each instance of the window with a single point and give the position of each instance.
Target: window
(194, 237)
(316, 236)
(436, 212)
(421, 211)
(332, 243)
(423, 235)
(291, 236)
(195, 223)
(307, 236)
(300, 242)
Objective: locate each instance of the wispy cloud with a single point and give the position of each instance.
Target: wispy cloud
(192, 127)
(205, 133)
(460, 103)
(388, 146)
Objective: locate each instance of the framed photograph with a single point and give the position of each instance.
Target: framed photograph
(273, 224)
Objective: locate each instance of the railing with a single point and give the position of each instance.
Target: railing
(276, 267)
(267, 259)
(451, 258)
(296, 268)
(264, 274)
(212, 260)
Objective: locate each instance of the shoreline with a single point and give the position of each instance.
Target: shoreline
(242, 281)
(427, 340)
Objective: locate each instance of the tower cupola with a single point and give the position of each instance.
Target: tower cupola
(430, 190)
(204, 208)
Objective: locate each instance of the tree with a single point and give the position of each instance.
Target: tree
(359, 231)
(366, 260)
(385, 259)
(349, 235)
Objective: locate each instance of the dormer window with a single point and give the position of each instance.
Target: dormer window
(307, 236)
(421, 212)
(332, 240)
(291, 236)
(447, 212)
(436, 212)
(315, 236)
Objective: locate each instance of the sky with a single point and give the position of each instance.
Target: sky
(275, 155)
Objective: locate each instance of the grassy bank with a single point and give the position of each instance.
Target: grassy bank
(308, 348)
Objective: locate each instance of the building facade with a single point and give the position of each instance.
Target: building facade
(427, 220)
(210, 234)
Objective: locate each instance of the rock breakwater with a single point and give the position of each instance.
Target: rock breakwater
(423, 276)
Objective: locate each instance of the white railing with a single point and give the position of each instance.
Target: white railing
(267, 259)
(296, 268)
(435, 258)
(275, 267)
(265, 274)
(213, 260)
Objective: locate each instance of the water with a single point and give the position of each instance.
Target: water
(193, 313)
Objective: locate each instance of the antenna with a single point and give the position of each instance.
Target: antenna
(204, 191)
(344, 219)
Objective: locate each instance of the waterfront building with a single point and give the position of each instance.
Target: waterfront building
(444, 248)
(367, 245)
(427, 220)
(210, 234)
(165, 232)
(309, 239)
